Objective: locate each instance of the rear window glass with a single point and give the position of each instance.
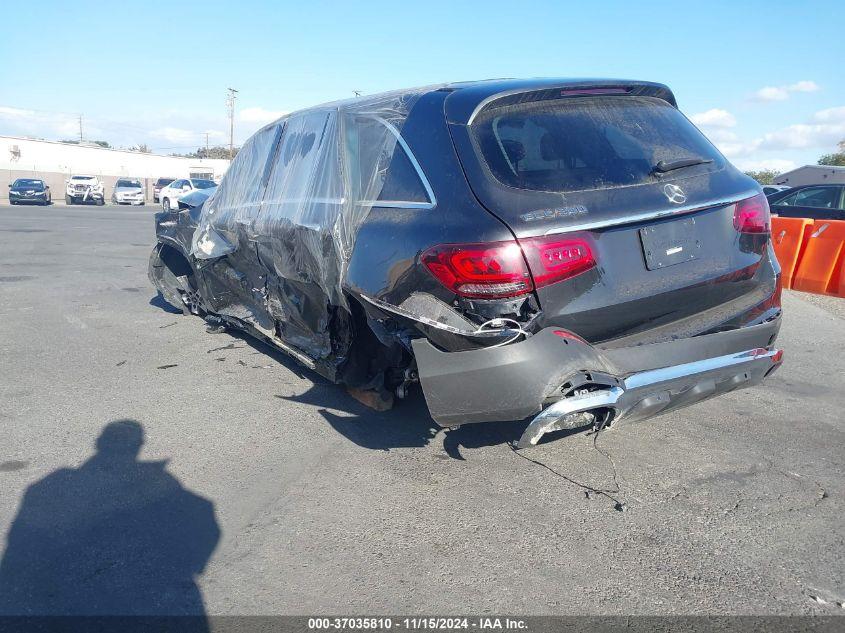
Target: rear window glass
(583, 143)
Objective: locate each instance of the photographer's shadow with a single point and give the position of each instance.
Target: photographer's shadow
(116, 536)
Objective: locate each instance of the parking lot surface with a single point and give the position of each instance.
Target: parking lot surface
(734, 505)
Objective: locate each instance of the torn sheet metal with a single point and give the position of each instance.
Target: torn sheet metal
(445, 328)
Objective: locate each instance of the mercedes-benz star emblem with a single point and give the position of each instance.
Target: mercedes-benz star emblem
(674, 193)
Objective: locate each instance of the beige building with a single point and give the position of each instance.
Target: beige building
(812, 175)
(54, 162)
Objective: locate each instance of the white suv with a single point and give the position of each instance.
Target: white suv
(171, 194)
(84, 188)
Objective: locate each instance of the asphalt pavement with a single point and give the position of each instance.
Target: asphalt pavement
(278, 493)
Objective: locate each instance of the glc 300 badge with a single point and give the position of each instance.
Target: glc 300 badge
(674, 193)
(560, 212)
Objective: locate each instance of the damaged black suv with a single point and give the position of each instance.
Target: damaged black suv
(572, 250)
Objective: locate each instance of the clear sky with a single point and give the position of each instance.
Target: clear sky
(765, 80)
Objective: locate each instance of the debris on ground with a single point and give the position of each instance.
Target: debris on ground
(229, 346)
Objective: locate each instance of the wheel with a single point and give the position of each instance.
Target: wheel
(12, 203)
(68, 199)
(165, 204)
(99, 201)
(142, 204)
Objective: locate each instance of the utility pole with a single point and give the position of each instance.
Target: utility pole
(80, 128)
(230, 101)
(206, 145)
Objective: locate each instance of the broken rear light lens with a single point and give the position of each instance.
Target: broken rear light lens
(493, 270)
(553, 259)
(752, 215)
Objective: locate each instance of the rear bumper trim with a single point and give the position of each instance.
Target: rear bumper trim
(648, 393)
(515, 381)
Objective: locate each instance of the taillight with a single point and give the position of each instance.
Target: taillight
(498, 270)
(752, 215)
(484, 271)
(552, 259)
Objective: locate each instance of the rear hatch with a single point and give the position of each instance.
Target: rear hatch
(625, 192)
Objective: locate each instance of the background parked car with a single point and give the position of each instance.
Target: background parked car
(172, 193)
(194, 200)
(820, 202)
(29, 190)
(160, 184)
(128, 191)
(773, 189)
(84, 188)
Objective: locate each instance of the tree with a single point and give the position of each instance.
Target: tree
(217, 151)
(763, 176)
(837, 158)
(143, 148)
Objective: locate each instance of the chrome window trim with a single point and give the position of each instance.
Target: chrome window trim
(501, 95)
(426, 185)
(395, 204)
(654, 215)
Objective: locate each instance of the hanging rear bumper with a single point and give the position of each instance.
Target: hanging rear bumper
(541, 374)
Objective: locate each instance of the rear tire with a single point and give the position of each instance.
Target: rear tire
(99, 202)
(165, 204)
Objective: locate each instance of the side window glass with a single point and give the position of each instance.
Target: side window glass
(305, 185)
(381, 170)
(818, 197)
(403, 183)
(239, 194)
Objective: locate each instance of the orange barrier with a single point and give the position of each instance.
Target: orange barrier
(789, 236)
(820, 265)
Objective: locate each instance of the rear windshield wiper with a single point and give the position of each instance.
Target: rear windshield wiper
(671, 165)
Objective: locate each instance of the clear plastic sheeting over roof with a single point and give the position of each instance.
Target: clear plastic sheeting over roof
(301, 187)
